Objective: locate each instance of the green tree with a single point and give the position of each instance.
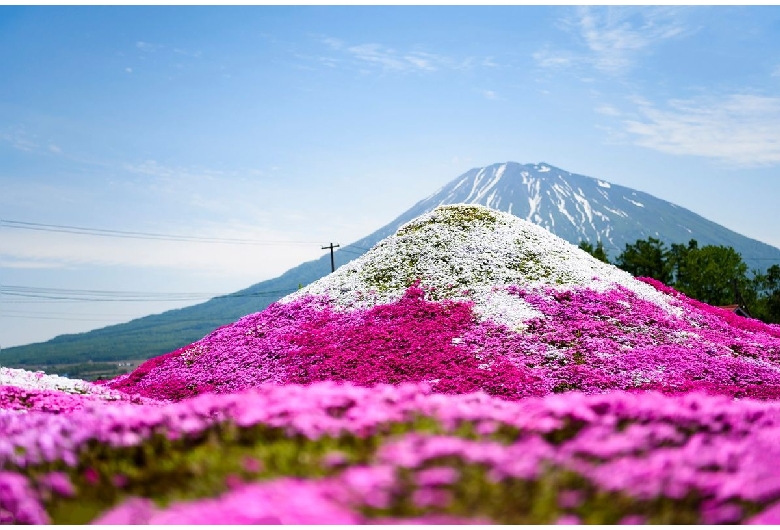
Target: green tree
(677, 255)
(767, 285)
(715, 275)
(646, 257)
(599, 253)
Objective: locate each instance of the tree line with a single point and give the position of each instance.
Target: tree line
(713, 274)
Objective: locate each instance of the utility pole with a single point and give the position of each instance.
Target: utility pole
(332, 263)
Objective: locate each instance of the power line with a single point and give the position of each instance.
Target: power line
(122, 234)
(38, 317)
(91, 295)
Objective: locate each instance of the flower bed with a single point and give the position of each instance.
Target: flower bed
(473, 368)
(393, 453)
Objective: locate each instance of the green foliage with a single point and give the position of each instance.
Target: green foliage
(767, 285)
(599, 253)
(646, 257)
(713, 274)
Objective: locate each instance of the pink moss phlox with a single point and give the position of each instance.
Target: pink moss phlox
(770, 515)
(56, 401)
(58, 483)
(19, 503)
(131, 511)
(587, 340)
(747, 324)
(644, 445)
(436, 476)
(283, 501)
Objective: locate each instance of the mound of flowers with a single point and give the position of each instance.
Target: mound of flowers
(466, 298)
(472, 368)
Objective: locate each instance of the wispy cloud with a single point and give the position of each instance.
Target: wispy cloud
(776, 71)
(21, 143)
(379, 55)
(614, 37)
(374, 56)
(336, 44)
(188, 53)
(56, 149)
(547, 58)
(489, 94)
(738, 129)
(20, 140)
(607, 110)
(147, 46)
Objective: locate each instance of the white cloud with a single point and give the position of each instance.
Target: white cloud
(330, 62)
(129, 70)
(738, 129)
(553, 59)
(21, 141)
(607, 110)
(368, 56)
(420, 61)
(147, 47)
(614, 37)
(776, 72)
(56, 149)
(378, 55)
(336, 44)
(489, 94)
(188, 53)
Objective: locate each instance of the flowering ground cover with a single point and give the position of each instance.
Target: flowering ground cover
(473, 368)
(486, 302)
(339, 453)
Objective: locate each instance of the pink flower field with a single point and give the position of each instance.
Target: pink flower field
(470, 369)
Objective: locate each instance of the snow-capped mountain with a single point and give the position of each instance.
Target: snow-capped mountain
(573, 207)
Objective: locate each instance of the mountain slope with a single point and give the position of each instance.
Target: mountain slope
(574, 207)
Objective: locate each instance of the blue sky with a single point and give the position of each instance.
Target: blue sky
(318, 124)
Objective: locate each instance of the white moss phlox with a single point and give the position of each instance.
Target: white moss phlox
(471, 252)
(41, 381)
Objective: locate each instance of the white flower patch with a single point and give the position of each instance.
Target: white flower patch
(41, 381)
(469, 252)
(503, 308)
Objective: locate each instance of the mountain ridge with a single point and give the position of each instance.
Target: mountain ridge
(553, 197)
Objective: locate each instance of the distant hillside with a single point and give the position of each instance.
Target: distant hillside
(574, 207)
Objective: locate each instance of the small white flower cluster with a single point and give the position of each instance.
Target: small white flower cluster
(41, 381)
(469, 252)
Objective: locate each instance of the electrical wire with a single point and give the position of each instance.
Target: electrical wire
(90, 295)
(122, 234)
